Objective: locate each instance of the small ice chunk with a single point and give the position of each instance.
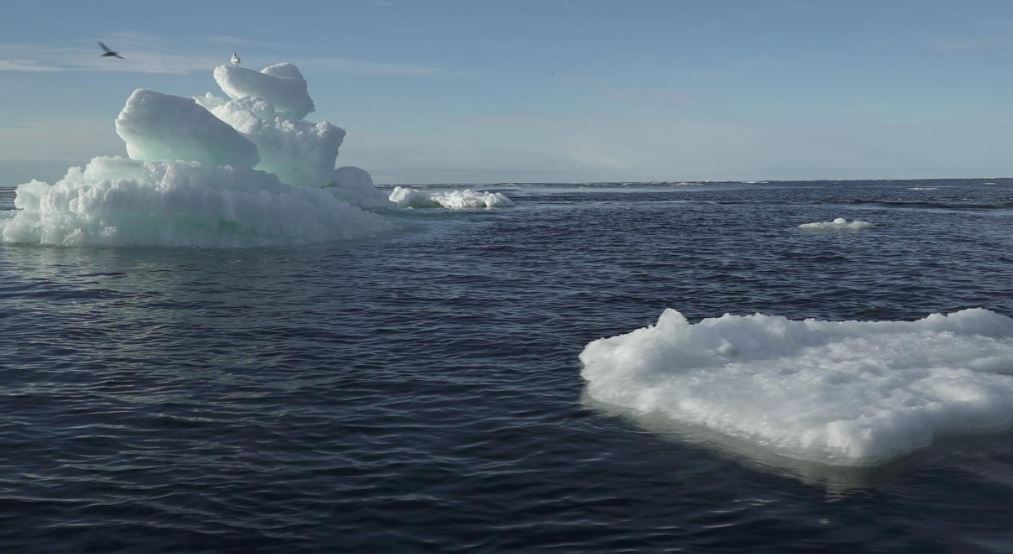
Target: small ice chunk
(461, 199)
(838, 224)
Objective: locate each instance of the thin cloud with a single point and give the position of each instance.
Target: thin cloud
(364, 67)
(968, 43)
(27, 57)
(147, 54)
(59, 139)
(227, 39)
(993, 35)
(31, 66)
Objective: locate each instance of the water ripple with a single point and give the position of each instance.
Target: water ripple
(422, 392)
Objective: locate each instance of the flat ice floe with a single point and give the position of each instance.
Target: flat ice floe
(461, 199)
(838, 224)
(849, 393)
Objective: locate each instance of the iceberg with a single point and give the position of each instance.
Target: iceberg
(208, 172)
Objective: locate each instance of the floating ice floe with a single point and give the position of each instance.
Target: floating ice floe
(454, 200)
(848, 393)
(839, 224)
(247, 171)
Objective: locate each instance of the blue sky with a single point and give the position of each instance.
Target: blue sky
(551, 90)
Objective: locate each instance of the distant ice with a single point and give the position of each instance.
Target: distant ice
(847, 393)
(454, 200)
(839, 224)
(923, 188)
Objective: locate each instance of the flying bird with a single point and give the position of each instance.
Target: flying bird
(235, 59)
(109, 52)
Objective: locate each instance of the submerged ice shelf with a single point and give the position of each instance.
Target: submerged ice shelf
(845, 393)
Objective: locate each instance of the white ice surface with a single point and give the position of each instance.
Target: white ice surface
(355, 186)
(158, 126)
(850, 393)
(117, 201)
(281, 85)
(838, 224)
(454, 200)
(299, 152)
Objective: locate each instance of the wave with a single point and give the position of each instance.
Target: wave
(938, 204)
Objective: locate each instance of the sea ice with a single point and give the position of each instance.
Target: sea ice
(847, 393)
(454, 200)
(839, 224)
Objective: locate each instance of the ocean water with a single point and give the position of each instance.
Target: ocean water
(422, 391)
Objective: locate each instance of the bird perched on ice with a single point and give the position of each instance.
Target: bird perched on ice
(109, 52)
(235, 59)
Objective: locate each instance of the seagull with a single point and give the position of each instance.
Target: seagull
(109, 53)
(235, 59)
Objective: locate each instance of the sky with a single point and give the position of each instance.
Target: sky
(489, 91)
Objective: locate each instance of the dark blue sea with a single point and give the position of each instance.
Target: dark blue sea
(421, 392)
